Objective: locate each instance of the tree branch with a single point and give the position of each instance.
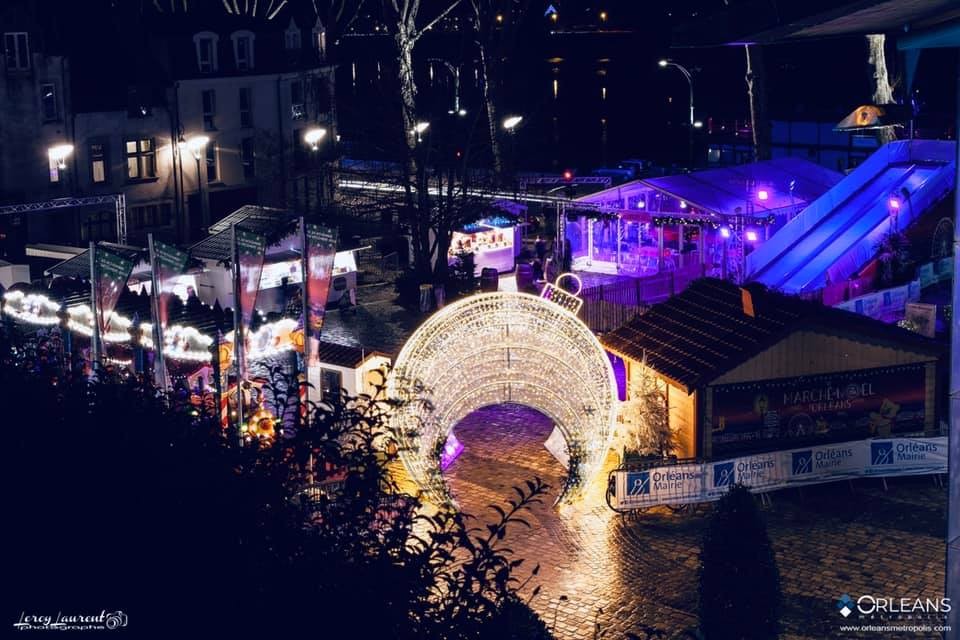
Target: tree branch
(435, 20)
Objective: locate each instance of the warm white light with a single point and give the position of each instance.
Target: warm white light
(499, 347)
(313, 137)
(697, 124)
(420, 127)
(763, 194)
(510, 122)
(59, 154)
(197, 145)
(663, 62)
(31, 308)
(683, 204)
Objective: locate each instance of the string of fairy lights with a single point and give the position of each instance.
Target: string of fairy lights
(183, 343)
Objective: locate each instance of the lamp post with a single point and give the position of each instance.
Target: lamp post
(418, 130)
(197, 145)
(312, 138)
(664, 63)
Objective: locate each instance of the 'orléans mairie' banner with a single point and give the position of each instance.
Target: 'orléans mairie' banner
(707, 481)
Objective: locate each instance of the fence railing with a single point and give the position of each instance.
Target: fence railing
(608, 306)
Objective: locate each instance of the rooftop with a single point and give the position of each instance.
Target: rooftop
(702, 333)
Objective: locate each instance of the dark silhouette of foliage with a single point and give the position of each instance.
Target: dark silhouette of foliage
(739, 580)
(121, 498)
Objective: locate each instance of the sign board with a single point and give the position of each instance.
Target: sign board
(707, 481)
(923, 316)
(818, 408)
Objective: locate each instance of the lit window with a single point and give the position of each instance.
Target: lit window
(213, 166)
(98, 163)
(141, 159)
(16, 50)
(48, 102)
(246, 114)
(209, 99)
(206, 44)
(298, 107)
(243, 49)
(330, 382)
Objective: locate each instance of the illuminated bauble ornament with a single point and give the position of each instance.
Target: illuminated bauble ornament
(262, 424)
(493, 348)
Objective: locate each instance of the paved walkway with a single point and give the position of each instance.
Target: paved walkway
(633, 574)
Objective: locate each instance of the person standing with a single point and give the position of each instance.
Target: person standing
(541, 249)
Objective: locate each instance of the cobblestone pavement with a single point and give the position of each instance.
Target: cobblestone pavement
(641, 572)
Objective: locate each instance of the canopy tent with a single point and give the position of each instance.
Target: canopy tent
(759, 189)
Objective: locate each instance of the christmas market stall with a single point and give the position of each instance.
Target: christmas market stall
(745, 370)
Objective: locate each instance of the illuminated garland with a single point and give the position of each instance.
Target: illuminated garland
(492, 348)
(119, 329)
(80, 320)
(33, 308)
(186, 343)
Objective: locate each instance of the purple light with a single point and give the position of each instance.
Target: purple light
(894, 203)
(725, 232)
(762, 194)
(451, 450)
(751, 236)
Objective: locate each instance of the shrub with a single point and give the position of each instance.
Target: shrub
(739, 580)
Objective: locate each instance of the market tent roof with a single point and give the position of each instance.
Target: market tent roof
(345, 356)
(268, 221)
(734, 190)
(79, 265)
(702, 333)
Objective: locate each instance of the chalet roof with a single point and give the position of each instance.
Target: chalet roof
(702, 333)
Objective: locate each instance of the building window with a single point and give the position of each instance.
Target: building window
(247, 158)
(246, 114)
(243, 49)
(298, 107)
(99, 225)
(209, 98)
(16, 50)
(98, 163)
(151, 215)
(330, 382)
(292, 36)
(48, 102)
(213, 164)
(206, 44)
(141, 159)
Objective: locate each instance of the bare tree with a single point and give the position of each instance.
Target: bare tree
(409, 26)
(882, 89)
(756, 93)
(496, 31)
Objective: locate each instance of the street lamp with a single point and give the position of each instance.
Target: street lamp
(418, 130)
(197, 145)
(511, 121)
(313, 137)
(664, 63)
(58, 153)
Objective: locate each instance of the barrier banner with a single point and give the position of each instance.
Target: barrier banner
(676, 484)
(760, 472)
(905, 456)
(707, 481)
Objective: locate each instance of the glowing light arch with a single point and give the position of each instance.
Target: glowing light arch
(493, 348)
